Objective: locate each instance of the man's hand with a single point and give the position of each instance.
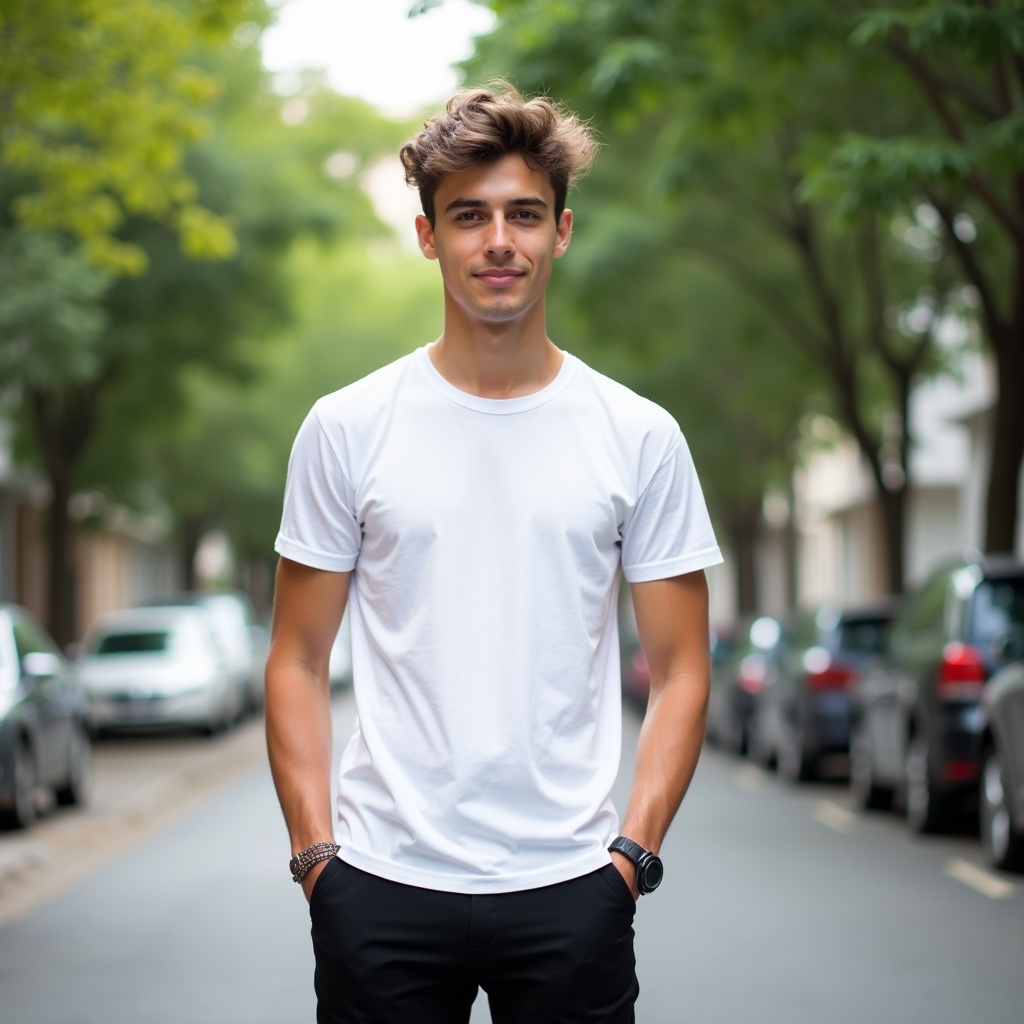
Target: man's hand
(312, 875)
(627, 869)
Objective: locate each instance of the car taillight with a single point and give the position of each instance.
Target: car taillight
(962, 672)
(824, 673)
(752, 674)
(835, 677)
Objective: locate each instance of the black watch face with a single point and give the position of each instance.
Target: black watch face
(653, 872)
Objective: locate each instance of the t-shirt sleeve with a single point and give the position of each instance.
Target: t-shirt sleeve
(669, 531)
(318, 526)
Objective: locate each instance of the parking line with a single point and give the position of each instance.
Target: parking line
(832, 816)
(980, 880)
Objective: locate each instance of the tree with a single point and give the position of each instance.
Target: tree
(98, 105)
(965, 156)
(742, 99)
(83, 418)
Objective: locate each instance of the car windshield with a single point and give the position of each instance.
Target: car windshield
(863, 635)
(149, 642)
(997, 613)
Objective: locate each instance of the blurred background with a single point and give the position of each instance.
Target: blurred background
(803, 236)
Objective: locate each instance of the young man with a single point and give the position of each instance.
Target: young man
(475, 503)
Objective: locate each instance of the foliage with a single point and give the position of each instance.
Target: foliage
(739, 120)
(98, 105)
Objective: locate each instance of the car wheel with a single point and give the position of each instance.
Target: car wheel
(923, 806)
(75, 790)
(865, 793)
(1001, 843)
(793, 764)
(22, 811)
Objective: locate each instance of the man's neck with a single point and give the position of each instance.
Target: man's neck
(503, 360)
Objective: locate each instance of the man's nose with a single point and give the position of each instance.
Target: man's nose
(499, 238)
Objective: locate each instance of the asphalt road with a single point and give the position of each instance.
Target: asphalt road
(168, 902)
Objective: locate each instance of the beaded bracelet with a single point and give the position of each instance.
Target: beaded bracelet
(300, 864)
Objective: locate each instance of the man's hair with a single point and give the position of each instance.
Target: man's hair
(484, 125)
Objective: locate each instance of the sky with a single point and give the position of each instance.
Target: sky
(372, 49)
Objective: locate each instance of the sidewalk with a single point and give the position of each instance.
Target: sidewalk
(139, 784)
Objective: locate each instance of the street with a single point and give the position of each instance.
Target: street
(168, 902)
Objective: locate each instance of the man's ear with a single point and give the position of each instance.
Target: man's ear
(425, 236)
(564, 233)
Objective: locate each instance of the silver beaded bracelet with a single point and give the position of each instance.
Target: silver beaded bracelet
(300, 864)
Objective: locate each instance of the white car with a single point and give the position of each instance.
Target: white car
(157, 666)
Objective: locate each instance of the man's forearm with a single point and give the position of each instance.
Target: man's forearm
(298, 720)
(666, 758)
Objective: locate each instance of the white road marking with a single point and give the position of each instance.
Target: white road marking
(980, 880)
(832, 816)
(749, 777)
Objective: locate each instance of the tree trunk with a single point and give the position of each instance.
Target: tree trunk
(1001, 511)
(892, 504)
(743, 526)
(192, 530)
(60, 607)
(63, 426)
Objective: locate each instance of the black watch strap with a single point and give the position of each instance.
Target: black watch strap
(649, 869)
(634, 851)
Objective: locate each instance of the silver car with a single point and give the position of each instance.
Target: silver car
(157, 666)
(44, 740)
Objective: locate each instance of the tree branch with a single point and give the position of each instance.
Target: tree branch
(932, 89)
(994, 324)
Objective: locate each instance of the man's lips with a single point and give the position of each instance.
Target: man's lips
(499, 275)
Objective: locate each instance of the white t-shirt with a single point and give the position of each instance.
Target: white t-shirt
(485, 539)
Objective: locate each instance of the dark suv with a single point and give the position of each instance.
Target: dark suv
(917, 719)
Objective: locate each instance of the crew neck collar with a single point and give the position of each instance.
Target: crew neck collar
(496, 406)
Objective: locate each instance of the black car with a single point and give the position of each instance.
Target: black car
(44, 741)
(917, 729)
(804, 712)
(747, 664)
(1001, 791)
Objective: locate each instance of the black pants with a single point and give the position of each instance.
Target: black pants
(396, 954)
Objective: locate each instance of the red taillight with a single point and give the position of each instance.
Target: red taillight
(960, 771)
(962, 672)
(752, 674)
(823, 673)
(835, 677)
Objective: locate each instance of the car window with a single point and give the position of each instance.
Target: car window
(997, 612)
(133, 642)
(863, 635)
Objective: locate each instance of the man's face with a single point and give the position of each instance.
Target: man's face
(495, 235)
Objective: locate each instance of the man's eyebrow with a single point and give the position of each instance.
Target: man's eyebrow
(476, 204)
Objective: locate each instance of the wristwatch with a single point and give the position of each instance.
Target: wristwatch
(649, 869)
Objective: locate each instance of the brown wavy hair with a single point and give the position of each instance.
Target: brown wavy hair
(484, 125)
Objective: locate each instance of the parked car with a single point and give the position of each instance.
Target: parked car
(44, 739)
(242, 640)
(747, 664)
(1001, 791)
(157, 666)
(804, 711)
(917, 722)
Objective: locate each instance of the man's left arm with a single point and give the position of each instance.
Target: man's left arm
(672, 622)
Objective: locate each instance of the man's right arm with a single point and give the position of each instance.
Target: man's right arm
(308, 605)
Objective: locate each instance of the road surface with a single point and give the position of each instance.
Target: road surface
(168, 902)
